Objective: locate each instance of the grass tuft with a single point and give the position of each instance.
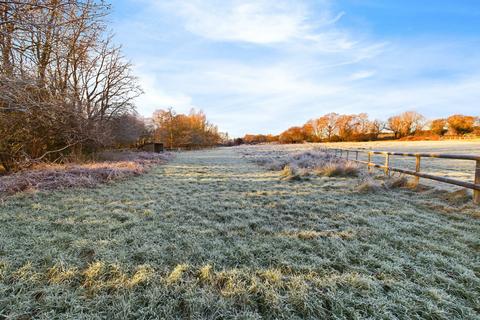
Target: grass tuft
(369, 185)
(338, 169)
(176, 274)
(3, 269)
(459, 197)
(290, 173)
(310, 235)
(400, 182)
(143, 274)
(60, 274)
(272, 276)
(93, 272)
(26, 273)
(206, 273)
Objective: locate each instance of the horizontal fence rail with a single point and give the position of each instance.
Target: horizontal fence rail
(475, 186)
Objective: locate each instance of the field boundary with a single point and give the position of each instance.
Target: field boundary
(475, 186)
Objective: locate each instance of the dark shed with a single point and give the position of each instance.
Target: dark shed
(152, 147)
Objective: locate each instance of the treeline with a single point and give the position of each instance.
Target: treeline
(65, 87)
(334, 127)
(186, 131)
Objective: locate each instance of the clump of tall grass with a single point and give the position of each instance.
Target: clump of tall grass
(369, 185)
(312, 234)
(338, 169)
(59, 273)
(458, 197)
(176, 274)
(290, 173)
(205, 273)
(143, 274)
(398, 182)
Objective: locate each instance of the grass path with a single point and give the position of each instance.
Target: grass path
(210, 235)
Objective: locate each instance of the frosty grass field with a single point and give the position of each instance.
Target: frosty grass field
(213, 235)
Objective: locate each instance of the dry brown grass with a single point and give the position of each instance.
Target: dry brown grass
(371, 183)
(312, 234)
(338, 169)
(459, 197)
(368, 185)
(426, 137)
(398, 182)
(111, 166)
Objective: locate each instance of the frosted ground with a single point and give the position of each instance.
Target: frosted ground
(457, 169)
(211, 235)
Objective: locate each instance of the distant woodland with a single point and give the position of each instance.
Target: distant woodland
(334, 127)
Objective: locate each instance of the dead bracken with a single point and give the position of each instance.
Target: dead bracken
(112, 165)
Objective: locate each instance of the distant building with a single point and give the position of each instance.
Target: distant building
(386, 134)
(152, 147)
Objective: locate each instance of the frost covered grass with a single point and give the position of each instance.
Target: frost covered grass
(112, 165)
(302, 164)
(211, 235)
(456, 169)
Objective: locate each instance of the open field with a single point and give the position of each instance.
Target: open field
(211, 235)
(457, 169)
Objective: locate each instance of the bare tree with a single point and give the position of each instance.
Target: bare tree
(61, 77)
(329, 125)
(186, 131)
(376, 127)
(460, 124)
(406, 123)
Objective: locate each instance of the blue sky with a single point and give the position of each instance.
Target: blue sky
(261, 66)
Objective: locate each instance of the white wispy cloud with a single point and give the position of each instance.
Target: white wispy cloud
(364, 74)
(254, 21)
(155, 98)
(261, 66)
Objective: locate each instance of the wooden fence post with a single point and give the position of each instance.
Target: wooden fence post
(347, 154)
(417, 169)
(387, 161)
(476, 193)
(369, 160)
(356, 155)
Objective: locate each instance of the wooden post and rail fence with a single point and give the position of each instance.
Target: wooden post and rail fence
(475, 186)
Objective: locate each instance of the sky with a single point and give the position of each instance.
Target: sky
(261, 66)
